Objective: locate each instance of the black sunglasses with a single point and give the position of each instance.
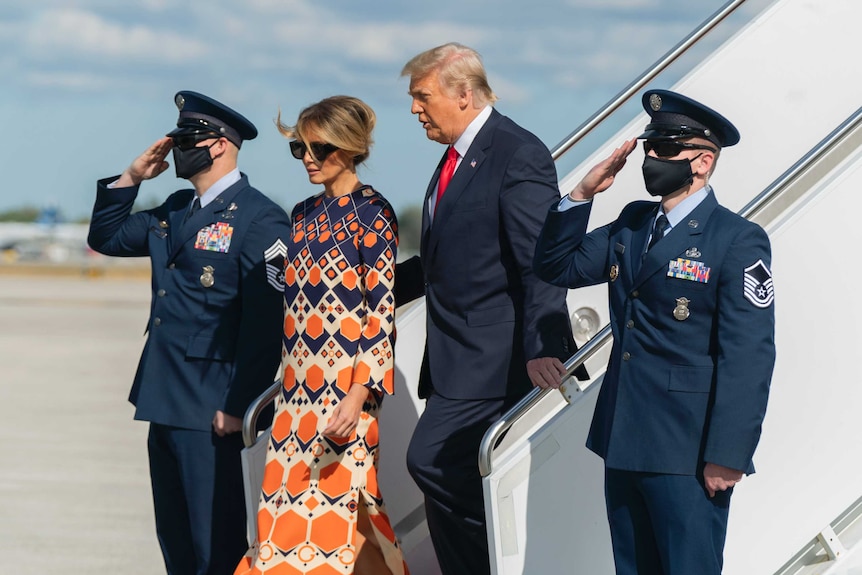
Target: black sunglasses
(319, 150)
(671, 149)
(189, 141)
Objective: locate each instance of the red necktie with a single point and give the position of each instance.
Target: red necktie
(446, 172)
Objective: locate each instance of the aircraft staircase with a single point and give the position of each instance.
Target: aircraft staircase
(783, 72)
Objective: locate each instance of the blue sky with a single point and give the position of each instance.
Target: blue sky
(88, 84)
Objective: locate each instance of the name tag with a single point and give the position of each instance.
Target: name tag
(688, 270)
(215, 238)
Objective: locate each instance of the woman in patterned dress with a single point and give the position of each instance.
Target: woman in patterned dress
(320, 507)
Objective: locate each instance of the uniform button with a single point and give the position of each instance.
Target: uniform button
(635, 293)
(626, 356)
(630, 324)
(161, 293)
(157, 322)
(172, 266)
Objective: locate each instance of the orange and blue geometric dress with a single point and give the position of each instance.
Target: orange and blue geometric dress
(338, 331)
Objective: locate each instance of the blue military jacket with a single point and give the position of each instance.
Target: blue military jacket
(214, 332)
(693, 325)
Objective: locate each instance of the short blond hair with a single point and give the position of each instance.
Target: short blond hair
(458, 67)
(343, 121)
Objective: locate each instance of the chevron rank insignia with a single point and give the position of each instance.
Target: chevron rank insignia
(274, 256)
(757, 285)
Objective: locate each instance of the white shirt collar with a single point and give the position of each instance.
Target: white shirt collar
(463, 143)
(685, 207)
(221, 185)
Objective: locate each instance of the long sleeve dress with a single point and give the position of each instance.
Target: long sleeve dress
(338, 331)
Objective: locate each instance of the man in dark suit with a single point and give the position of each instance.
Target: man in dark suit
(493, 327)
(691, 304)
(214, 329)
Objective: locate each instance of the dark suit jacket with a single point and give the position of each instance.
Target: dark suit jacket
(488, 313)
(681, 389)
(208, 348)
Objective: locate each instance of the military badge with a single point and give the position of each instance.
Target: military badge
(692, 253)
(163, 224)
(615, 272)
(180, 101)
(274, 256)
(655, 102)
(207, 277)
(757, 285)
(229, 214)
(688, 270)
(681, 312)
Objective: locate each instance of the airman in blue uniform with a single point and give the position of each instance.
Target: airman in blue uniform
(214, 331)
(691, 304)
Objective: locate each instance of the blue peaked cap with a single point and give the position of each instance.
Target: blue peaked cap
(201, 114)
(675, 117)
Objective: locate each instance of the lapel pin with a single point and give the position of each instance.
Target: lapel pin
(615, 272)
(693, 224)
(473, 163)
(163, 224)
(230, 211)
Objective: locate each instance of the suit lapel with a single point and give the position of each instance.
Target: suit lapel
(637, 243)
(426, 213)
(470, 165)
(677, 241)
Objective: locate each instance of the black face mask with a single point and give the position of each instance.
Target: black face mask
(192, 161)
(663, 177)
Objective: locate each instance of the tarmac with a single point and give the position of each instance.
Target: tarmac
(74, 482)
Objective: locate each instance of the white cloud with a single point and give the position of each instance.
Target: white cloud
(59, 34)
(78, 82)
(370, 42)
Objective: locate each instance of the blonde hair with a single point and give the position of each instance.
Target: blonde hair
(459, 68)
(343, 121)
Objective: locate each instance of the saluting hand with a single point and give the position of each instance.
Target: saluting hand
(719, 478)
(601, 176)
(148, 165)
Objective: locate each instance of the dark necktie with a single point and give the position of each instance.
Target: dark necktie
(196, 205)
(447, 172)
(661, 225)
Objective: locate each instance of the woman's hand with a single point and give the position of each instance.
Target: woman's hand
(345, 416)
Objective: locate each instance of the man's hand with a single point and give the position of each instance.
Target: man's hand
(546, 372)
(345, 416)
(719, 478)
(148, 165)
(224, 424)
(601, 176)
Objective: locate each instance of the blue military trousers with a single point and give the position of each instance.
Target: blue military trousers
(665, 524)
